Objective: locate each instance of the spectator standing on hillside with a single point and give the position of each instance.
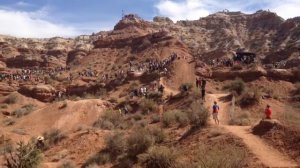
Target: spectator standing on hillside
(215, 112)
(203, 86)
(268, 112)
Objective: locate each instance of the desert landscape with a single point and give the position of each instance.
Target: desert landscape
(134, 96)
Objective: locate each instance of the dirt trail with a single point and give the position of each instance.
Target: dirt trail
(269, 156)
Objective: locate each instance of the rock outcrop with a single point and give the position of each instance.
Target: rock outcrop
(44, 93)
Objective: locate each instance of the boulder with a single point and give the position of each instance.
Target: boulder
(44, 93)
(265, 126)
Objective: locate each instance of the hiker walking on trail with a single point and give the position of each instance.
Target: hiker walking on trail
(215, 113)
(268, 112)
(203, 85)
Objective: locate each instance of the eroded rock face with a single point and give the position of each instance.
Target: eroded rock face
(45, 93)
(249, 74)
(6, 89)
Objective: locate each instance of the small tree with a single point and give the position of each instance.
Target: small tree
(238, 86)
(26, 156)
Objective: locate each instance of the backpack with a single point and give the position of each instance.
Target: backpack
(215, 108)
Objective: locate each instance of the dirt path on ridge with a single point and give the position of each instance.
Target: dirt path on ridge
(268, 155)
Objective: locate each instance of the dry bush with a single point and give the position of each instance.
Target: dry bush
(67, 164)
(182, 118)
(242, 118)
(139, 141)
(53, 137)
(228, 156)
(155, 96)
(109, 120)
(147, 106)
(160, 157)
(198, 115)
(24, 110)
(100, 158)
(250, 98)
(6, 147)
(137, 117)
(11, 99)
(158, 134)
(25, 156)
(3, 106)
(155, 118)
(237, 86)
(168, 118)
(115, 145)
(9, 122)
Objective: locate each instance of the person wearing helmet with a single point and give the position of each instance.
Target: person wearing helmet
(40, 142)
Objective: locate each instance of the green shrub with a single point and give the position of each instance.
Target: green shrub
(147, 106)
(11, 99)
(198, 115)
(139, 141)
(155, 118)
(250, 98)
(109, 120)
(115, 145)
(53, 137)
(25, 156)
(237, 86)
(160, 156)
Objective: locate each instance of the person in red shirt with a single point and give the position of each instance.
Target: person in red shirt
(268, 112)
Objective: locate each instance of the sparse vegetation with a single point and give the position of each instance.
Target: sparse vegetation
(228, 156)
(115, 145)
(147, 106)
(182, 118)
(139, 141)
(53, 137)
(168, 118)
(159, 156)
(25, 156)
(6, 147)
(9, 122)
(198, 114)
(158, 134)
(24, 110)
(155, 118)
(242, 118)
(109, 120)
(238, 86)
(67, 164)
(3, 106)
(250, 97)
(11, 99)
